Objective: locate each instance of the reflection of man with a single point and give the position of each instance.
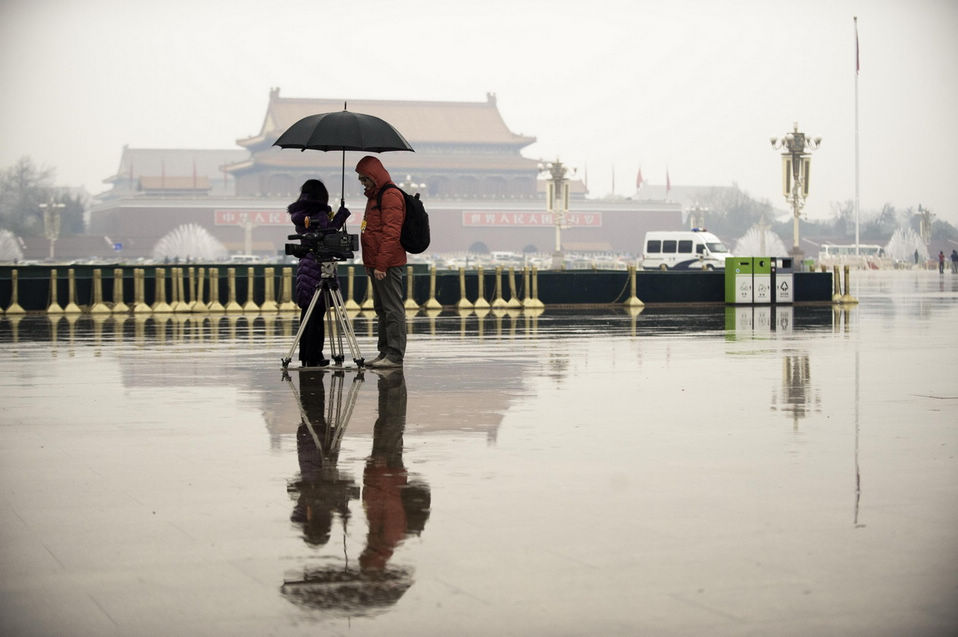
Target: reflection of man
(394, 505)
(323, 492)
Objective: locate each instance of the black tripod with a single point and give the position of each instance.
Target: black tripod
(337, 323)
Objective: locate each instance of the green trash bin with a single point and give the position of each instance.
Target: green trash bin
(738, 280)
(762, 269)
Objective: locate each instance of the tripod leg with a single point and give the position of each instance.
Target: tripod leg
(302, 327)
(346, 327)
(335, 345)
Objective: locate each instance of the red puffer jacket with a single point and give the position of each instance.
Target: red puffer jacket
(381, 228)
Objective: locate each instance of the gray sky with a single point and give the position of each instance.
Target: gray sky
(695, 88)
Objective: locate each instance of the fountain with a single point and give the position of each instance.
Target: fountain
(189, 242)
(752, 244)
(903, 245)
(9, 247)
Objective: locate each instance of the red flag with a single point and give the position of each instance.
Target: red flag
(638, 180)
(858, 66)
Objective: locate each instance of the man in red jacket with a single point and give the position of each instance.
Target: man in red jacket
(384, 258)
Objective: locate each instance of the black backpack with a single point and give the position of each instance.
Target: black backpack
(414, 237)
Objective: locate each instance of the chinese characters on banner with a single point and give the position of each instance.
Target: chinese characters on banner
(253, 217)
(530, 219)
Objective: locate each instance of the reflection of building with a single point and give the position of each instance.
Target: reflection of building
(479, 190)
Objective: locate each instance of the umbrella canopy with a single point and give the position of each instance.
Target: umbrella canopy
(343, 130)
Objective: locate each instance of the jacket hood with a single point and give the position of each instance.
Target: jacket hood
(371, 167)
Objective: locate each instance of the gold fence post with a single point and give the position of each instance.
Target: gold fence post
(463, 303)
(119, 307)
(53, 307)
(98, 306)
(481, 302)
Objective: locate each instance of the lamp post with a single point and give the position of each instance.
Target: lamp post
(557, 203)
(51, 222)
(410, 186)
(796, 162)
(696, 217)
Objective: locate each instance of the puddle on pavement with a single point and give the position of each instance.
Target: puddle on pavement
(638, 455)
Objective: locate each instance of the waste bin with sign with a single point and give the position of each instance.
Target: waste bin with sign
(783, 280)
(762, 272)
(738, 280)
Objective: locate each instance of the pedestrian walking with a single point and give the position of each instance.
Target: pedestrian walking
(954, 261)
(941, 262)
(384, 258)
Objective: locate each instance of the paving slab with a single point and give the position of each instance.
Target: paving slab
(669, 471)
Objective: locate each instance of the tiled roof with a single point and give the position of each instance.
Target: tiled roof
(418, 121)
(138, 162)
(174, 183)
(279, 158)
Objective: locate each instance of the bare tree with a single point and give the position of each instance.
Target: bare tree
(23, 187)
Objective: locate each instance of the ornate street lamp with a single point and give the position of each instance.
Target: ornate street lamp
(696, 215)
(51, 221)
(411, 186)
(796, 162)
(557, 203)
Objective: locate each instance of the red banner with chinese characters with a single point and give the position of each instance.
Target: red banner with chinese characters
(529, 219)
(253, 217)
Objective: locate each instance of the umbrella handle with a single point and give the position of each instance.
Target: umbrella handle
(342, 183)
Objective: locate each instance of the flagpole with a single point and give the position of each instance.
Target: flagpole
(857, 194)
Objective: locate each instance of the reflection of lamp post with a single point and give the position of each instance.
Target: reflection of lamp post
(51, 222)
(557, 202)
(796, 162)
(798, 397)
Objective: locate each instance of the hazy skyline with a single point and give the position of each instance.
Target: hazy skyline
(692, 88)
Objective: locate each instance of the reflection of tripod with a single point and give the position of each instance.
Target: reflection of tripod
(337, 412)
(335, 307)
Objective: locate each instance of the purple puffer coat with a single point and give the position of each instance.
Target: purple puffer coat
(308, 273)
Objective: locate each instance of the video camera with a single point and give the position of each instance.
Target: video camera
(325, 245)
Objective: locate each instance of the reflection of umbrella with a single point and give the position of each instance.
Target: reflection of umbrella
(343, 130)
(347, 589)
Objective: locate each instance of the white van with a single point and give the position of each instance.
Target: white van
(694, 249)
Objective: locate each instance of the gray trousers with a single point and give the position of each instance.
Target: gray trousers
(390, 312)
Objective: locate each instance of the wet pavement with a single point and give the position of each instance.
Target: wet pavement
(679, 471)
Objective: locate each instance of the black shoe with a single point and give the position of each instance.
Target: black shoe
(323, 362)
(385, 362)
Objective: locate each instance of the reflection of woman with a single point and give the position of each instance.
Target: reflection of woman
(395, 506)
(322, 490)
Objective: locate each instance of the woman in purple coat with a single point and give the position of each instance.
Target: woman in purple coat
(311, 213)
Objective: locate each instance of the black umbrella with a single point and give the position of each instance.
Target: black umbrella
(343, 130)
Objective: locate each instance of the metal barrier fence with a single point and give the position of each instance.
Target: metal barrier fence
(213, 288)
